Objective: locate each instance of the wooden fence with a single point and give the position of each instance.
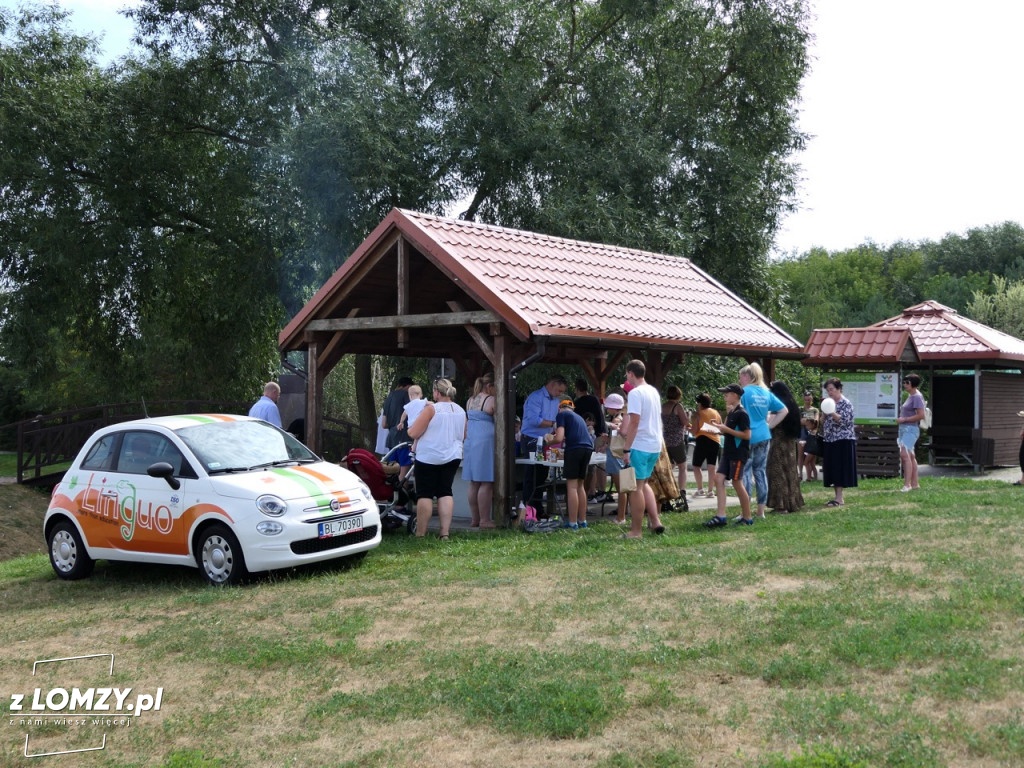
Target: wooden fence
(46, 445)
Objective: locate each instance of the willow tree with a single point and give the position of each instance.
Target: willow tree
(271, 137)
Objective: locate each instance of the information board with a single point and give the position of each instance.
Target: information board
(875, 396)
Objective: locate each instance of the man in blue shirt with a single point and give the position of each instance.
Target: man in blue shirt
(539, 413)
(266, 407)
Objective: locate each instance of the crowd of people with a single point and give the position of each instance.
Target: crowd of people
(638, 446)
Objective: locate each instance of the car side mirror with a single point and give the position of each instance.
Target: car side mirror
(166, 471)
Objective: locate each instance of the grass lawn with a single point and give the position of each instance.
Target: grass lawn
(886, 633)
(8, 465)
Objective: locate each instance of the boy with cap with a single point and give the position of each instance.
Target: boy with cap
(571, 429)
(735, 453)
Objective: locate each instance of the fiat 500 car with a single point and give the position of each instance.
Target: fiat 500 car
(227, 494)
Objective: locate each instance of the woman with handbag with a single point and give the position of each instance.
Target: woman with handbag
(674, 424)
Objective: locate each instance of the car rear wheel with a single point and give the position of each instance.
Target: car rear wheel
(220, 557)
(67, 552)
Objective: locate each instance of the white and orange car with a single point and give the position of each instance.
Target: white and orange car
(227, 494)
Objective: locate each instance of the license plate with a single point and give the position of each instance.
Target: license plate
(341, 527)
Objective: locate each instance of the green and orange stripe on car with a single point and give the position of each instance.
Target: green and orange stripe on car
(313, 482)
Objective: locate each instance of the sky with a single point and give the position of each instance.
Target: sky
(912, 109)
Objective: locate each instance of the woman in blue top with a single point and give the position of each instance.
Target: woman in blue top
(765, 411)
(478, 452)
(909, 420)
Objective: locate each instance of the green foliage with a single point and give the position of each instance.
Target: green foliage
(1003, 309)
(166, 214)
(129, 272)
(864, 285)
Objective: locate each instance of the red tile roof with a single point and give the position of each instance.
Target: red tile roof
(942, 334)
(569, 289)
(850, 346)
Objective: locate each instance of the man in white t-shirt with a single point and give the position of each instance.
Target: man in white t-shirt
(642, 433)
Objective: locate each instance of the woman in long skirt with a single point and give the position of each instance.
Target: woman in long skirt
(839, 466)
(784, 494)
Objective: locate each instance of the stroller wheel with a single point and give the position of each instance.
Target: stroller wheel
(410, 524)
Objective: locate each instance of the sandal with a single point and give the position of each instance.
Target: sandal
(833, 503)
(443, 537)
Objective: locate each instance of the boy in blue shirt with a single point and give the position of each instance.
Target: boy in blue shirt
(735, 453)
(571, 429)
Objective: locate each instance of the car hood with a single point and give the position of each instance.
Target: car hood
(304, 481)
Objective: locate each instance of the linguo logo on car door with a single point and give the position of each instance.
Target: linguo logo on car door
(117, 512)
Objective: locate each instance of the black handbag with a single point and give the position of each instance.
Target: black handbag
(814, 445)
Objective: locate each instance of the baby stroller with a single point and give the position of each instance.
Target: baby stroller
(396, 500)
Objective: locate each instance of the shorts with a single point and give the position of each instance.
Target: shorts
(676, 453)
(705, 450)
(403, 456)
(908, 436)
(434, 481)
(576, 462)
(643, 463)
(732, 469)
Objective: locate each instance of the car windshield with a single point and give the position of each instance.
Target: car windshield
(232, 446)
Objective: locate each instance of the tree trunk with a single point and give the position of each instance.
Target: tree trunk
(365, 401)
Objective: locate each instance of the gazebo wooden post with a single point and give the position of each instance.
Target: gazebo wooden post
(504, 434)
(314, 398)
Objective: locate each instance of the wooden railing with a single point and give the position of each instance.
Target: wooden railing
(46, 445)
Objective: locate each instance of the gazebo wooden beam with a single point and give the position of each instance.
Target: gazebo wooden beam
(391, 322)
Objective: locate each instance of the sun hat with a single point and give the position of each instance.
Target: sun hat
(614, 401)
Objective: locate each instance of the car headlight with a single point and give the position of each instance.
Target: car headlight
(269, 527)
(271, 506)
(367, 494)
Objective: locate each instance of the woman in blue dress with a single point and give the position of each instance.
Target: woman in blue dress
(478, 452)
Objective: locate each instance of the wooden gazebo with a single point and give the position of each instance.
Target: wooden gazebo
(499, 299)
(975, 377)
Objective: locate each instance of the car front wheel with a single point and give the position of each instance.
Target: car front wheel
(67, 552)
(220, 557)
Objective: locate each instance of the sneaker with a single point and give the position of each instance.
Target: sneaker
(906, 489)
(737, 518)
(700, 494)
(622, 522)
(584, 524)
(743, 521)
(716, 522)
(572, 526)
